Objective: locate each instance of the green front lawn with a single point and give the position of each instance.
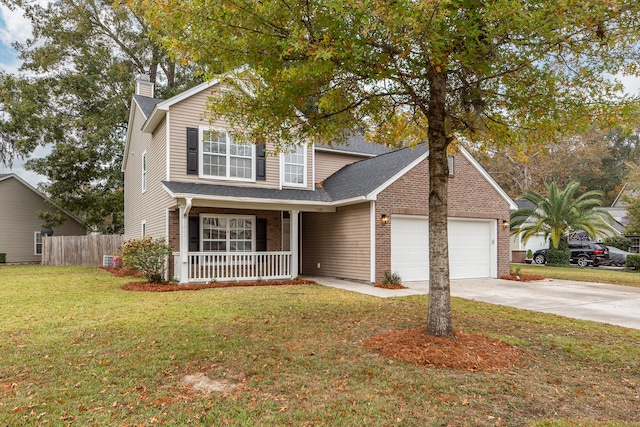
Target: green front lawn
(77, 350)
(584, 274)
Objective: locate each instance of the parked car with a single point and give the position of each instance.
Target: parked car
(617, 257)
(583, 253)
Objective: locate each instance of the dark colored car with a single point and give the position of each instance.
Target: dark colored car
(583, 253)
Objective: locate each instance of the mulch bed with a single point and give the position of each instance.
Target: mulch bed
(523, 277)
(170, 287)
(468, 351)
(390, 286)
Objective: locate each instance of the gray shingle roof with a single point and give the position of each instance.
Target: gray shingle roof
(355, 180)
(357, 145)
(363, 177)
(146, 103)
(318, 195)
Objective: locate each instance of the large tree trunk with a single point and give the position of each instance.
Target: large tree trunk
(439, 321)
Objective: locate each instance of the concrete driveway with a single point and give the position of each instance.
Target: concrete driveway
(616, 305)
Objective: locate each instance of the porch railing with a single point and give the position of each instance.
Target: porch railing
(216, 266)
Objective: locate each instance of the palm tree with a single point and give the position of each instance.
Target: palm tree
(559, 214)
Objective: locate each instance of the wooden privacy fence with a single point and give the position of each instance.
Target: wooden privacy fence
(79, 250)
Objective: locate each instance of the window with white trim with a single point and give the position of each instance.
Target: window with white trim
(144, 171)
(222, 158)
(37, 243)
(143, 228)
(227, 233)
(294, 166)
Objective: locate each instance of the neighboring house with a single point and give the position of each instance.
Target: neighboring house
(352, 211)
(20, 236)
(620, 213)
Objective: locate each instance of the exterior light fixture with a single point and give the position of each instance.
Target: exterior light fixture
(505, 224)
(385, 219)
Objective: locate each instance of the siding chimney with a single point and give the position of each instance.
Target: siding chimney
(144, 86)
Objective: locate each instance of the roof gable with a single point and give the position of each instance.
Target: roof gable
(4, 177)
(373, 175)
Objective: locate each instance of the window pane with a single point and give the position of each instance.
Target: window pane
(294, 166)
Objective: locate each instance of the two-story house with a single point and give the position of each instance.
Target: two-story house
(352, 210)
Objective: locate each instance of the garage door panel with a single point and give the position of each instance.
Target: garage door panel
(470, 252)
(469, 249)
(410, 247)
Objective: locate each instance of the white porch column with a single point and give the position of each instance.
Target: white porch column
(294, 243)
(184, 241)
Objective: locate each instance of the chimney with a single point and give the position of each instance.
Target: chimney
(143, 86)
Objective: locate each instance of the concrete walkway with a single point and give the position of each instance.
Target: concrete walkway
(616, 305)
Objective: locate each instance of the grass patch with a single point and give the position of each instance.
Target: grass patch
(587, 274)
(75, 349)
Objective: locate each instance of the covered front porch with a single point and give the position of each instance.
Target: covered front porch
(235, 241)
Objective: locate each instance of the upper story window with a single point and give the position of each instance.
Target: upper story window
(222, 158)
(294, 166)
(144, 171)
(227, 233)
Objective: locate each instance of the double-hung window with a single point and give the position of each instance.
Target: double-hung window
(294, 166)
(37, 243)
(227, 233)
(222, 158)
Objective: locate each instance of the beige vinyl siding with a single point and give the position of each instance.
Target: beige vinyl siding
(18, 221)
(340, 242)
(328, 163)
(158, 198)
(151, 205)
(134, 208)
(192, 113)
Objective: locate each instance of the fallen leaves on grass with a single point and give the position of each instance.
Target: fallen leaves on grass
(468, 351)
(168, 287)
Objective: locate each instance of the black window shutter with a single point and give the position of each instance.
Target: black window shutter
(261, 163)
(261, 235)
(192, 151)
(194, 234)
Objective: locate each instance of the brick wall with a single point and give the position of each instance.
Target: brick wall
(470, 196)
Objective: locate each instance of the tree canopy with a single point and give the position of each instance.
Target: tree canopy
(504, 72)
(73, 94)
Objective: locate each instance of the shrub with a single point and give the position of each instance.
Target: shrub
(392, 278)
(3, 258)
(558, 256)
(146, 255)
(633, 261)
(619, 242)
(529, 254)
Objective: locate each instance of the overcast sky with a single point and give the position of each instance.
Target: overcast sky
(14, 27)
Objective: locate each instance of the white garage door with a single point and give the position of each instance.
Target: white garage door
(410, 247)
(471, 253)
(469, 249)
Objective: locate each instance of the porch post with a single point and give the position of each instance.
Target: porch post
(184, 241)
(294, 243)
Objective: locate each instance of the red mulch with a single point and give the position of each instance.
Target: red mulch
(170, 287)
(470, 352)
(389, 286)
(523, 277)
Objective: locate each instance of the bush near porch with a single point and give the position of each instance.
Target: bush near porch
(78, 350)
